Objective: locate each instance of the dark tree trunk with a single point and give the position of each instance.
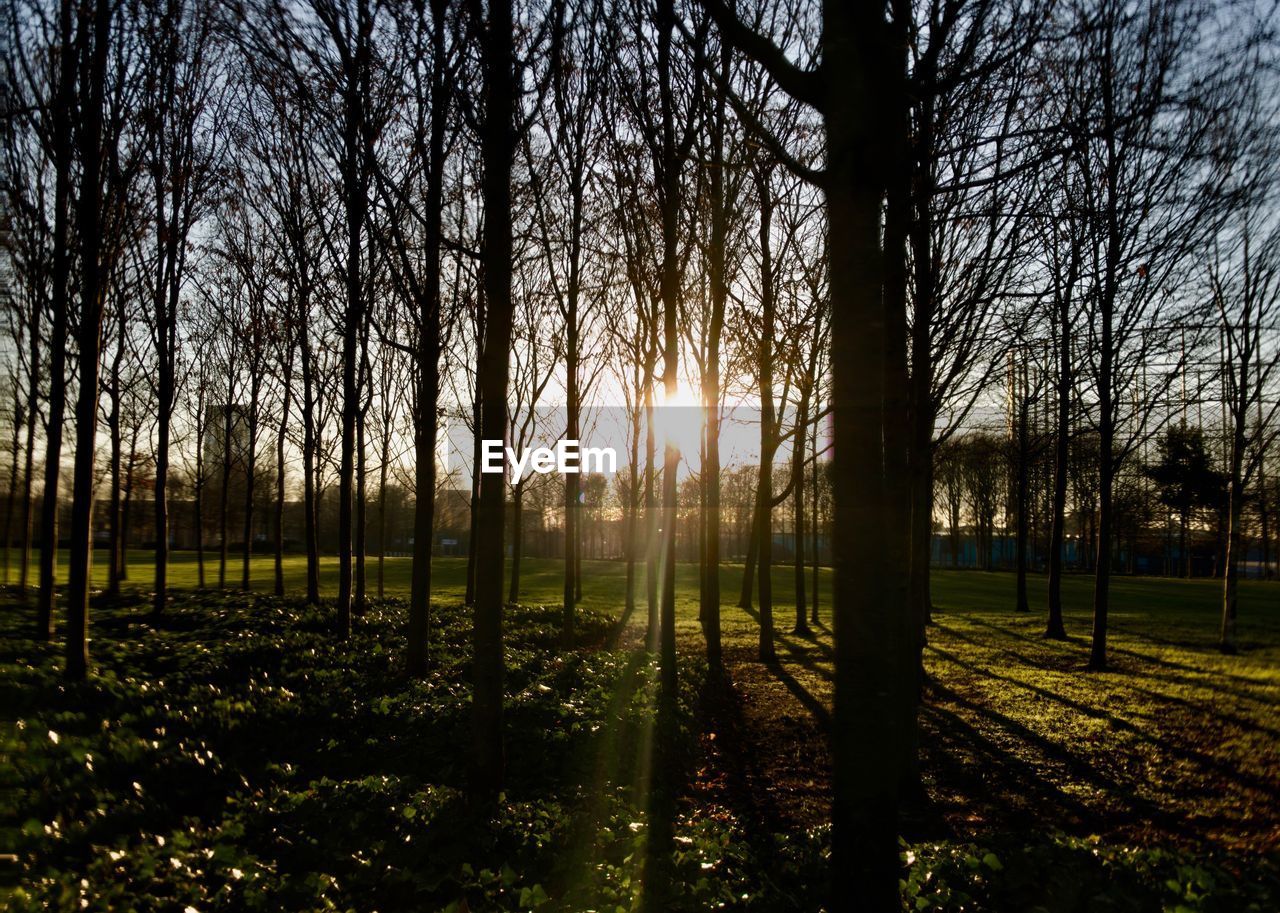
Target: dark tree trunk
(29, 450)
(768, 431)
(1055, 629)
(281, 433)
(817, 510)
(126, 503)
(425, 489)
(198, 494)
(93, 62)
(62, 160)
(797, 509)
(309, 482)
(874, 700)
(498, 149)
(228, 411)
(651, 515)
(919, 176)
(709, 605)
(15, 446)
(517, 543)
(753, 550)
(1023, 498)
(426, 427)
(361, 531)
(250, 476)
(477, 409)
(355, 190)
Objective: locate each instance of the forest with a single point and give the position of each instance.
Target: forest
(918, 363)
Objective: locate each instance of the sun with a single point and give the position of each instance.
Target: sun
(678, 419)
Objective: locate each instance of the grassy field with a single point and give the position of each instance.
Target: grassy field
(1197, 601)
(1176, 748)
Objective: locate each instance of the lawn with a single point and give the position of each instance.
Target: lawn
(334, 782)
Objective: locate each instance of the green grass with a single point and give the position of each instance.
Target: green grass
(1084, 782)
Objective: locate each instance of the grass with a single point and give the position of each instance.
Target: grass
(1158, 779)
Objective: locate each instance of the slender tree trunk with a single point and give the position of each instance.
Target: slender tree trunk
(517, 543)
(361, 531)
(473, 543)
(281, 433)
(768, 432)
(426, 427)
(657, 873)
(919, 179)
(633, 516)
(572, 480)
(1023, 484)
(651, 515)
(425, 486)
(1234, 547)
(92, 289)
(498, 149)
(250, 478)
(28, 464)
(753, 550)
(115, 557)
(126, 505)
(12, 489)
(1055, 629)
(228, 411)
(310, 506)
(63, 154)
(384, 454)
(817, 510)
(198, 494)
(797, 508)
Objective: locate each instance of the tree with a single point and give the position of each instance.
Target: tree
(876, 704)
(93, 230)
(498, 145)
(1185, 479)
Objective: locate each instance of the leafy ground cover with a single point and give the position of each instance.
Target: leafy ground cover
(235, 756)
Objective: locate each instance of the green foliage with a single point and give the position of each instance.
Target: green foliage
(238, 756)
(1054, 873)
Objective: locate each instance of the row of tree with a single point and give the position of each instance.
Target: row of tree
(335, 226)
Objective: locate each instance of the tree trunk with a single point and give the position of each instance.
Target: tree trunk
(384, 455)
(126, 504)
(1023, 499)
(62, 160)
(768, 433)
(12, 488)
(1055, 629)
(871, 700)
(250, 478)
(309, 501)
(228, 411)
(425, 485)
(28, 465)
(517, 542)
(753, 550)
(281, 433)
(115, 557)
(498, 149)
(93, 63)
(198, 494)
(651, 515)
(797, 508)
(426, 428)
(361, 531)
(817, 510)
